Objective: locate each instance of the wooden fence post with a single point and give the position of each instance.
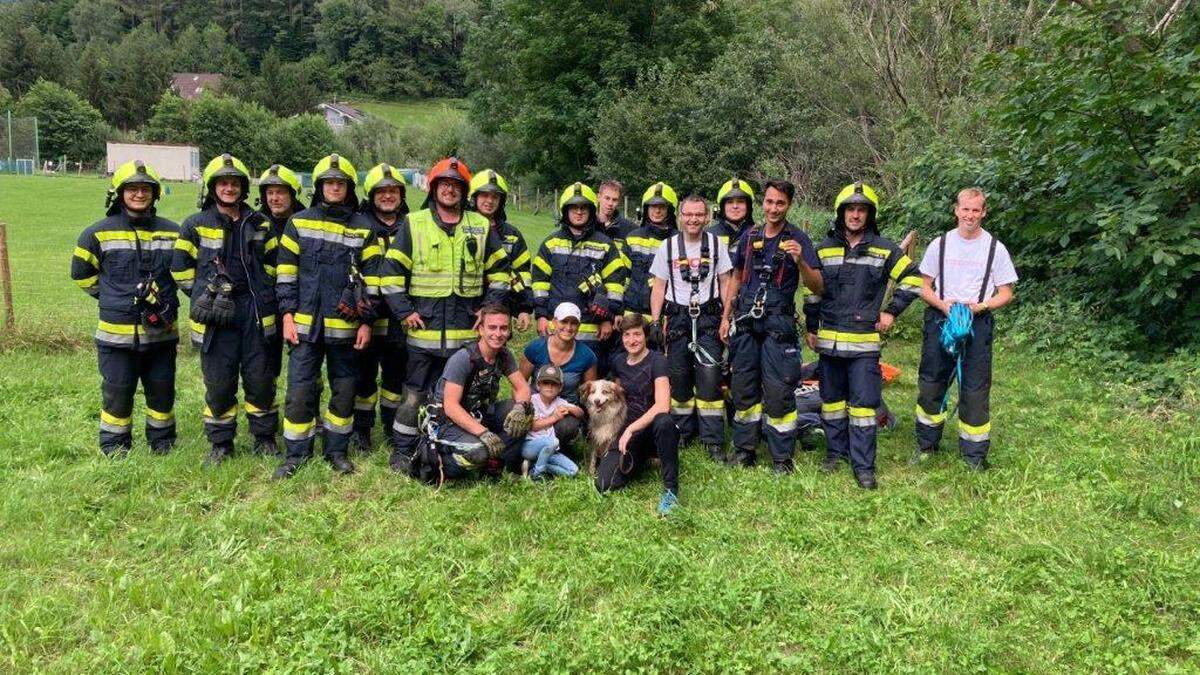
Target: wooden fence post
(6, 278)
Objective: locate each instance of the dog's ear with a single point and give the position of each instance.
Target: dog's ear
(585, 390)
(618, 390)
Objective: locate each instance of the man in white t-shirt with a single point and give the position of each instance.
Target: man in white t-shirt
(965, 265)
(689, 276)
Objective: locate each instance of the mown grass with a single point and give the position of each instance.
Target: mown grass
(416, 115)
(1079, 551)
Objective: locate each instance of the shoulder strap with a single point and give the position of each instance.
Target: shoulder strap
(711, 251)
(672, 267)
(987, 271)
(941, 279)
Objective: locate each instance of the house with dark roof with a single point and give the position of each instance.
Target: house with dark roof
(339, 115)
(189, 86)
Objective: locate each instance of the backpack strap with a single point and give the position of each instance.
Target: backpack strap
(987, 271)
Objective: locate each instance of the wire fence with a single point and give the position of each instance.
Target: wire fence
(19, 146)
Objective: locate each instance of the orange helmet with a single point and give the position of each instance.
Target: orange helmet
(450, 168)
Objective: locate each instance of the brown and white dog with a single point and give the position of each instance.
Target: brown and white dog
(604, 401)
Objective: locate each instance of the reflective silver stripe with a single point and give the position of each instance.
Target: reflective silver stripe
(682, 411)
(404, 429)
(582, 251)
(270, 330)
(644, 250)
(832, 261)
(747, 417)
(711, 412)
(210, 242)
(113, 338)
(856, 347)
(155, 423)
(451, 343)
(862, 421)
(866, 261)
(978, 438)
(812, 299)
(499, 285)
(115, 428)
(835, 415)
(117, 244)
(338, 428)
(350, 241)
(220, 421)
(285, 278)
(340, 332)
(542, 294)
(613, 295)
(390, 289)
(299, 436)
(824, 343)
(186, 286)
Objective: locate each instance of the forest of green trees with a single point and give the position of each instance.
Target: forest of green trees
(1079, 117)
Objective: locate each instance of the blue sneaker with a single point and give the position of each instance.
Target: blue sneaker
(667, 504)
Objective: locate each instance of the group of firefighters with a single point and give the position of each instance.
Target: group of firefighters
(385, 298)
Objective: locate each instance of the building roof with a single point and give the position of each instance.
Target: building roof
(190, 86)
(344, 110)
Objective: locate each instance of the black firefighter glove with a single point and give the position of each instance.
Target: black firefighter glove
(354, 304)
(215, 306)
(518, 420)
(151, 309)
(494, 445)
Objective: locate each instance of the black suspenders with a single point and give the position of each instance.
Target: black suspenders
(987, 270)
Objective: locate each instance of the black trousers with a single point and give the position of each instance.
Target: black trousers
(304, 370)
(615, 470)
(851, 390)
(424, 370)
(697, 402)
(445, 462)
(380, 380)
(974, 403)
(227, 352)
(120, 371)
(765, 357)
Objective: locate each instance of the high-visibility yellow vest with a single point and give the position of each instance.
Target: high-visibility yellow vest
(444, 264)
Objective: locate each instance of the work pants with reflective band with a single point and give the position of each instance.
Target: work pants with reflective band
(226, 352)
(454, 466)
(765, 358)
(380, 381)
(304, 370)
(851, 390)
(424, 370)
(697, 403)
(933, 378)
(120, 371)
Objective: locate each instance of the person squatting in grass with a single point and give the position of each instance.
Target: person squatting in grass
(124, 262)
(223, 262)
(467, 431)
(649, 429)
(541, 447)
(965, 265)
(690, 274)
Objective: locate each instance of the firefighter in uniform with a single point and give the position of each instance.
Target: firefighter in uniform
(856, 264)
(221, 262)
(279, 197)
(578, 264)
(380, 378)
(691, 274)
(488, 195)
(326, 312)
(124, 262)
(612, 223)
(659, 205)
(734, 213)
(437, 273)
(759, 324)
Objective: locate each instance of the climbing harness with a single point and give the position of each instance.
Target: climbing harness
(694, 275)
(765, 269)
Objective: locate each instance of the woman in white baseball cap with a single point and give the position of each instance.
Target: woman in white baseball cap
(576, 360)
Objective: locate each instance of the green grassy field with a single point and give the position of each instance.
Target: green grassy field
(417, 114)
(1079, 551)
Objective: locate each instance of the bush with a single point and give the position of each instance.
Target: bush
(1092, 156)
(67, 124)
(298, 142)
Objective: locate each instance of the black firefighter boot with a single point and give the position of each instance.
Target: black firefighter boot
(266, 446)
(741, 457)
(716, 451)
(360, 442)
(289, 468)
(219, 453)
(866, 479)
(400, 461)
(340, 463)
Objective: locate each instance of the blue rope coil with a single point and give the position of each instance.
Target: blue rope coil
(957, 329)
